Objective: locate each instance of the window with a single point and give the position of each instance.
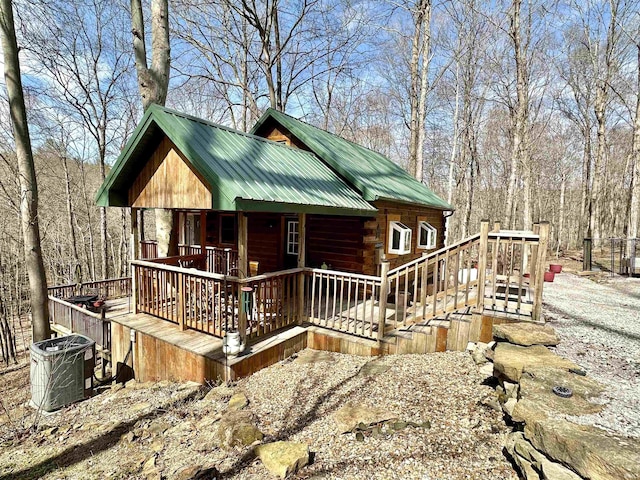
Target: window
(292, 237)
(228, 229)
(399, 238)
(427, 235)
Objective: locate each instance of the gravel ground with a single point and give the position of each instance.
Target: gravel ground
(599, 326)
(165, 427)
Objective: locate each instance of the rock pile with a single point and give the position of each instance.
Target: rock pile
(549, 442)
(237, 427)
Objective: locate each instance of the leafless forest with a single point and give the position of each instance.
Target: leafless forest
(512, 110)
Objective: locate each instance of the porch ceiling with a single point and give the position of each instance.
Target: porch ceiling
(245, 172)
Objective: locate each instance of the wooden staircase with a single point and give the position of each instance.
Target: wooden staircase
(446, 299)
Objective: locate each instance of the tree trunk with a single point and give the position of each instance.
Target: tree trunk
(424, 78)
(519, 148)
(634, 214)
(153, 84)
(27, 177)
(77, 268)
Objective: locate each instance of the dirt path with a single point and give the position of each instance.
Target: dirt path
(599, 324)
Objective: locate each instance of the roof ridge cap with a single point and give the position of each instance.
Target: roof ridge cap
(335, 135)
(223, 127)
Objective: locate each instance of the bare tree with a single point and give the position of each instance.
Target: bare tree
(27, 176)
(153, 83)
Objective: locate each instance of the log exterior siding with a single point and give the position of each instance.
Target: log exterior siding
(335, 243)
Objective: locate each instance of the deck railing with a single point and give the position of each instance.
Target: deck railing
(344, 301)
(214, 303)
(223, 260)
(500, 270)
(110, 288)
(79, 320)
(148, 249)
(437, 283)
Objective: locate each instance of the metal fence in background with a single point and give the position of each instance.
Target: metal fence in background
(617, 256)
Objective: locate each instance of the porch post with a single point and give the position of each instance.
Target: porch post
(482, 263)
(541, 258)
(243, 237)
(203, 238)
(135, 254)
(382, 301)
(496, 227)
(302, 228)
(242, 270)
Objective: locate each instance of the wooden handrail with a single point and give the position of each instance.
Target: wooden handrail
(357, 276)
(186, 271)
(268, 275)
(431, 255)
(86, 312)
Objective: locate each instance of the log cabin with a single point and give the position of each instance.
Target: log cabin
(292, 237)
(361, 208)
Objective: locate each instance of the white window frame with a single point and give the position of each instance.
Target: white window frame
(405, 238)
(293, 237)
(432, 235)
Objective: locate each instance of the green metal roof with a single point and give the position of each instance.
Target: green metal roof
(245, 172)
(373, 174)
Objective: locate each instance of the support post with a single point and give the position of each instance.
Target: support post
(539, 268)
(382, 301)
(242, 269)
(496, 227)
(482, 264)
(534, 256)
(586, 255)
(180, 301)
(302, 228)
(203, 237)
(135, 254)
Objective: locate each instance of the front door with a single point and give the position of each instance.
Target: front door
(291, 242)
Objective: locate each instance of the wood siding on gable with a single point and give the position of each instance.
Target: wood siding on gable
(167, 181)
(280, 134)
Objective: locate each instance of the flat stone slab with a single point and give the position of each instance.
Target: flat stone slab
(532, 464)
(283, 458)
(372, 368)
(588, 450)
(510, 360)
(536, 386)
(526, 334)
(351, 416)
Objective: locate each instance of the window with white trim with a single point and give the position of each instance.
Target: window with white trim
(399, 238)
(427, 235)
(292, 237)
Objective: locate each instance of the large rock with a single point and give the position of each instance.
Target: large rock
(238, 428)
(238, 401)
(588, 450)
(532, 464)
(350, 416)
(510, 360)
(526, 334)
(536, 386)
(283, 458)
(478, 353)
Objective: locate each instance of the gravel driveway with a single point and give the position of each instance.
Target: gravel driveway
(599, 325)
